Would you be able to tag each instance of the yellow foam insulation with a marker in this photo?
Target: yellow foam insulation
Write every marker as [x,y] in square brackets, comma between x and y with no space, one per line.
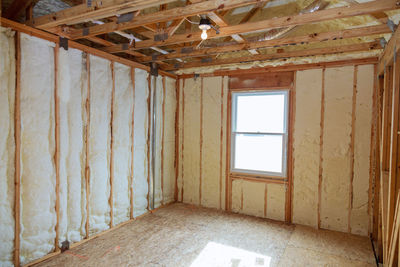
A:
[282,62]
[359,213]
[7,145]
[253,198]
[224,137]
[276,202]
[249,198]
[157,85]
[211,133]
[213,169]
[181,133]
[169,141]
[306,147]
[237,195]
[336,148]
[191,140]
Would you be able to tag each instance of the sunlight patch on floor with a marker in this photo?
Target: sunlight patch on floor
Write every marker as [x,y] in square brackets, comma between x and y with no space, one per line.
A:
[215,254]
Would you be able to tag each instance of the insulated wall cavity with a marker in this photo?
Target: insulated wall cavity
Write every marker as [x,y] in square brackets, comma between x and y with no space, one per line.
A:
[336,148]
[169,141]
[140,185]
[259,199]
[191,141]
[211,185]
[157,84]
[122,142]
[362,136]
[99,143]
[306,147]
[38,215]
[7,146]
[72,109]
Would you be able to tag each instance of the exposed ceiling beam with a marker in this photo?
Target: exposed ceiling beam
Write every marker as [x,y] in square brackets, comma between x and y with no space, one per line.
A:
[291,54]
[304,39]
[391,49]
[219,20]
[136,54]
[249,15]
[16,7]
[167,15]
[96,10]
[287,21]
[380,16]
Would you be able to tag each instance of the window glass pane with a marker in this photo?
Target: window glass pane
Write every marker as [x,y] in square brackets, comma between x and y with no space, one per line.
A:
[260,113]
[258,152]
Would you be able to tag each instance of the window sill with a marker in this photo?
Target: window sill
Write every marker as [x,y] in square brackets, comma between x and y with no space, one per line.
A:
[258,177]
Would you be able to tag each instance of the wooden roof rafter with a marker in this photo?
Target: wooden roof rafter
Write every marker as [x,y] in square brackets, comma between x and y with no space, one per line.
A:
[281,55]
[203,7]
[287,21]
[303,39]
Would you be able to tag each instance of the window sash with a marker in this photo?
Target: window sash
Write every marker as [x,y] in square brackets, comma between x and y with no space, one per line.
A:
[284,135]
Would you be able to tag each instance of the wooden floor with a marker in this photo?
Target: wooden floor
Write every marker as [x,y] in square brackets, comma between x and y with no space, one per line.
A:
[183,235]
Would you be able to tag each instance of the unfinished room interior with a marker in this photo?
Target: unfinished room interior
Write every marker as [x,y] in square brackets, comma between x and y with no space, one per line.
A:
[199,133]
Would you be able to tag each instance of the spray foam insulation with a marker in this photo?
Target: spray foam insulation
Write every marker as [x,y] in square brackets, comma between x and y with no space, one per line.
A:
[249,198]
[336,148]
[158,87]
[169,141]
[180,138]
[7,145]
[306,147]
[99,143]
[140,186]
[38,194]
[191,140]
[363,114]
[72,95]
[211,132]
[122,142]
[72,141]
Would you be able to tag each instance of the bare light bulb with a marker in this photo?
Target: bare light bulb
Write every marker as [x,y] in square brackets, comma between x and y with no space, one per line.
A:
[204,35]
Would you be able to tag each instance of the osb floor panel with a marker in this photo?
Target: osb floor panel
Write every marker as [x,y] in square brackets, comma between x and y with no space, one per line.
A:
[183,235]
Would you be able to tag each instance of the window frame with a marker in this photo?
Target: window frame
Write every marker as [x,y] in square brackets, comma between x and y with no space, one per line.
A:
[285,135]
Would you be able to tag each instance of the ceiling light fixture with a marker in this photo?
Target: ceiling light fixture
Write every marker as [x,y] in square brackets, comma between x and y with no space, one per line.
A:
[204,25]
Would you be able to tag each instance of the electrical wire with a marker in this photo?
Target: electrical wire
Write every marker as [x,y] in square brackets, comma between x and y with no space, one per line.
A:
[193,22]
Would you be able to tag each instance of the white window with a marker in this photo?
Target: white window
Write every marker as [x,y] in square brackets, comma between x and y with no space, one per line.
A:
[259,132]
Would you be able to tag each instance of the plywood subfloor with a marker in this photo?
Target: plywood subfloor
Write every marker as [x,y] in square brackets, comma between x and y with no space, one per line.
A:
[183,235]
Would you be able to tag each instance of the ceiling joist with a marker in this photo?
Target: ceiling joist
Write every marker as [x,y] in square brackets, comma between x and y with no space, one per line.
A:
[291,54]
[161,16]
[97,9]
[301,19]
[304,39]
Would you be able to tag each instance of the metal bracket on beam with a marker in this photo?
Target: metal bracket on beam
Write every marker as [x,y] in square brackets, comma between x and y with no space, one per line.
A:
[206,60]
[125,17]
[85,31]
[391,25]
[154,57]
[64,245]
[154,69]
[196,75]
[63,42]
[161,37]
[186,50]
[382,42]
